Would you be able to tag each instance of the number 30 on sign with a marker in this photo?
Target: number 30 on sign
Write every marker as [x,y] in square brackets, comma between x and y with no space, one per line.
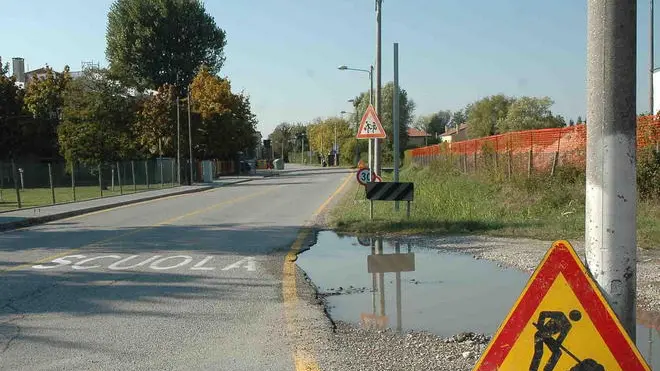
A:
[363,176]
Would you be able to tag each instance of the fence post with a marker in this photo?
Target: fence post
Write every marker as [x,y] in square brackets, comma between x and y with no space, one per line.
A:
[530,164]
[100,181]
[554,163]
[112,176]
[172,173]
[162,182]
[73,181]
[509,164]
[50,181]
[121,189]
[133,175]
[146,172]
[15,176]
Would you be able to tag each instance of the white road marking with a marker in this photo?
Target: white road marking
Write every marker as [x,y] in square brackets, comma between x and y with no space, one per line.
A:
[115,266]
[186,259]
[62,261]
[155,262]
[78,264]
[250,264]
[200,266]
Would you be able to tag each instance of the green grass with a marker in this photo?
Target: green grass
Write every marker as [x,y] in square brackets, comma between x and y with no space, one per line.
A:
[447,202]
[35,197]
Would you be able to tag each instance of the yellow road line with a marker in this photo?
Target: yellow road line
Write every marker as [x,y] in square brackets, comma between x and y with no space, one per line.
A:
[303,360]
[141,229]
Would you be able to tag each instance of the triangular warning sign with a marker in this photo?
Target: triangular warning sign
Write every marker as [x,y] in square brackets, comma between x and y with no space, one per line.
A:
[561,322]
[370,126]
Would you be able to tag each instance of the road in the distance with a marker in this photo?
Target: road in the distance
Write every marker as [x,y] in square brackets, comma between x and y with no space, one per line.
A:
[185,283]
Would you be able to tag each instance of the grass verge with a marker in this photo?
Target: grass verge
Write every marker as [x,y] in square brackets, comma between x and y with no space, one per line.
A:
[447,202]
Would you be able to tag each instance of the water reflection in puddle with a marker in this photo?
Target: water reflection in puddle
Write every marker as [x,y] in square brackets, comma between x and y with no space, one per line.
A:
[383,284]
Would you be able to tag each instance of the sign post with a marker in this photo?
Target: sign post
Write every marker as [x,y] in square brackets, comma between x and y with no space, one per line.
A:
[371,128]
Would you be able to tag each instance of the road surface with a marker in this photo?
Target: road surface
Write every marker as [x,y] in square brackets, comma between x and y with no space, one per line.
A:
[188,282]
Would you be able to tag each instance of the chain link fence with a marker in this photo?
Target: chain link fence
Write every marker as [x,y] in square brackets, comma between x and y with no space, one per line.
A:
[30,183]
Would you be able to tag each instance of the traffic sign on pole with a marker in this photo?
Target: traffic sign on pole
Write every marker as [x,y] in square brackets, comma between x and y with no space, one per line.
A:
[370,126]
[561,322]
[363,176]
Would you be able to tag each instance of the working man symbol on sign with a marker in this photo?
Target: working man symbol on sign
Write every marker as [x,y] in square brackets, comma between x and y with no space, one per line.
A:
[549,325]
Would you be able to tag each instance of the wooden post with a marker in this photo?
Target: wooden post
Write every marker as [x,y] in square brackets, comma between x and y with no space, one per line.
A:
[554,163]
[530,164]
[475,160]
[50,181]
[509,164]
[408,210]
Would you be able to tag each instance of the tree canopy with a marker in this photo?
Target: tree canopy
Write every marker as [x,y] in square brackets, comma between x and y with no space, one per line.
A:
[154,42]
[434,123]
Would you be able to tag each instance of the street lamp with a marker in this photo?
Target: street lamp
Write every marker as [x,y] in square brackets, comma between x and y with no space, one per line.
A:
[370,71]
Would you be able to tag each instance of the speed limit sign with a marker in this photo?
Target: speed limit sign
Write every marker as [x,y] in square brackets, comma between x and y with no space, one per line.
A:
[363,176]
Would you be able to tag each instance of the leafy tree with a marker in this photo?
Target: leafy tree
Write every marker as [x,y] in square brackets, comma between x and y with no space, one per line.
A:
[154,42]
[527,113]
[281,138]
[484,115]
[155,124]
[434,123]
[224,123]
[571,122]
[406,113]
[579,120]
[12,115]
[96,120]
[44,99]
[459,117]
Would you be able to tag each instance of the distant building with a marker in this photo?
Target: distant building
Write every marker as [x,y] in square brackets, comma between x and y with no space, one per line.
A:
[455,134]
[417,138]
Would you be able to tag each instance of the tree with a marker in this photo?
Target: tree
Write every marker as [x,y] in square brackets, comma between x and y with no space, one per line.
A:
[484,115]
[155,124]
[579,120]
[44,99]
[571,122]
[406,113]
[459,117]
[11,115]
[281,138]
[527,113]
[223,121]
[154,42]
[96,123]
[434,123]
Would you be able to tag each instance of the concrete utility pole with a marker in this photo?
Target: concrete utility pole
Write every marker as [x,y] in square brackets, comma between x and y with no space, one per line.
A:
[651,57]
[395,118]
[377,149]
[611,198]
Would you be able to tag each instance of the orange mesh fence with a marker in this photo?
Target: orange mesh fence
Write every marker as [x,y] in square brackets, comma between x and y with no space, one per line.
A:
[532,150]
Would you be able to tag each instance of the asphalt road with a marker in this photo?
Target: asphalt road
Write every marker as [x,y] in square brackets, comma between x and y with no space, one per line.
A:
[192,282]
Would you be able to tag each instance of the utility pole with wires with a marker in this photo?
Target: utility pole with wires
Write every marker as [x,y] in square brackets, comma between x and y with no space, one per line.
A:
[379,105]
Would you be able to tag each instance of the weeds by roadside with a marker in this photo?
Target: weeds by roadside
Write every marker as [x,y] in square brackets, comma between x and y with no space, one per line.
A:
[449,202]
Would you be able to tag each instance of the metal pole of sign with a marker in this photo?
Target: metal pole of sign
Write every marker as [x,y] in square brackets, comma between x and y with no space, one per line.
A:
[371,209]
[50,180]
[190,138]
[397,248]
[395,118]
[408,210]
[611,189]
[381,278]
[373,277]
[379,70]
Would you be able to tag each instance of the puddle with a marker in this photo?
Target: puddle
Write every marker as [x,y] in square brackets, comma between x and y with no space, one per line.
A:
[436,291]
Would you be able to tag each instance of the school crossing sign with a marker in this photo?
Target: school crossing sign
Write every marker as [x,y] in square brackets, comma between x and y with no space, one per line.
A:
[561,322]
[370,126]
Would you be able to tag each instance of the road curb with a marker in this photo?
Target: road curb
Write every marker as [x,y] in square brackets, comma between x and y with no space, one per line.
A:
[49,218]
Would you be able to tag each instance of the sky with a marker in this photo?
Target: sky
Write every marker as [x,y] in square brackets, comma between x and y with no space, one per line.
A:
[285,53]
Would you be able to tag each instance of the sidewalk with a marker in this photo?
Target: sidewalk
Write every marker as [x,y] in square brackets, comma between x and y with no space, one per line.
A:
[31,216]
